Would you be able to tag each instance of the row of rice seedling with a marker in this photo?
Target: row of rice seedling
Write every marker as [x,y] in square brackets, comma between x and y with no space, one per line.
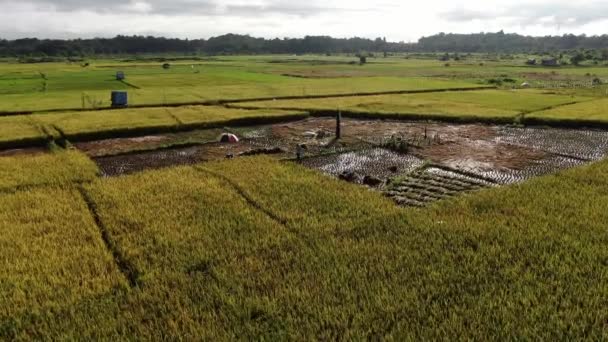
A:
[482,104]
[60,167]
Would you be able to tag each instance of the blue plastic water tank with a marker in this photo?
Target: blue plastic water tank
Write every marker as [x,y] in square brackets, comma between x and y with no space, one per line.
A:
[120,99]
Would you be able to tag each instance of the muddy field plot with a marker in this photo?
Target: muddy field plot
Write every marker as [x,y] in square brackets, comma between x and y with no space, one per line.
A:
[395,157]
[377,162]
[432,184]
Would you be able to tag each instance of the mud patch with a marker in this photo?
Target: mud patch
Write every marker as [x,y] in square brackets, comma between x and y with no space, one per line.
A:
[117,165]
[131,163]
[378,162]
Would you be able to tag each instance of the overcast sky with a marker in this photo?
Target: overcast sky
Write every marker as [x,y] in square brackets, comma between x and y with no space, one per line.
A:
[397,20]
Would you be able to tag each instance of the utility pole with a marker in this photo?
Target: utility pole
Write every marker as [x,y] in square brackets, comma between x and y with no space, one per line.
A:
[338,125]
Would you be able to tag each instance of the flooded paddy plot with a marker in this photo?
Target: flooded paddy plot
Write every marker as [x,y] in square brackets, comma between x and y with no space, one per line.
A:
[127,155]
[392,156]
[377,162]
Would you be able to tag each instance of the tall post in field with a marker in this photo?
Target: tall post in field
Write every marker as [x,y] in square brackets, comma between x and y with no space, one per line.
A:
[338,125]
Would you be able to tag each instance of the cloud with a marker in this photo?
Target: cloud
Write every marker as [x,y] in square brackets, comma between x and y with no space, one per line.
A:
[188,7]
[395,19]
[564,14]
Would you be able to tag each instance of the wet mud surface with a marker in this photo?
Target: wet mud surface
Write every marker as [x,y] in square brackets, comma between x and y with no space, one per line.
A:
[395,154]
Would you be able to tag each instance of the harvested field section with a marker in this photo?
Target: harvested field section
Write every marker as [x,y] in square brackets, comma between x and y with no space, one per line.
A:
[51,254]
[368,148]
[55,168]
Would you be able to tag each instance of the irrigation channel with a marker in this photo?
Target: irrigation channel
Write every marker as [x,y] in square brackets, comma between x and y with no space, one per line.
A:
[414,163]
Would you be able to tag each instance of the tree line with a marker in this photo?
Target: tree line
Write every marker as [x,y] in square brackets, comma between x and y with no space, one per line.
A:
[244,44]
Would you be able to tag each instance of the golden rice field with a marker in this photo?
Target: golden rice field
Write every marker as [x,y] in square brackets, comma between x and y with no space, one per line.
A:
[258,248]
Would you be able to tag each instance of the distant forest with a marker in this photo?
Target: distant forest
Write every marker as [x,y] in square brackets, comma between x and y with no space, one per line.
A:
[243,44]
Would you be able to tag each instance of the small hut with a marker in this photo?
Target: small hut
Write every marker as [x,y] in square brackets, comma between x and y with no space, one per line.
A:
[550,62]
[228,138]
[120,76]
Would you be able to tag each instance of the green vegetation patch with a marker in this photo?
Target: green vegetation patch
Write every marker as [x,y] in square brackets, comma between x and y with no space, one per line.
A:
[201,115]
[51,253]
[137,121]
[483,103]
[593,111]
[82,123]
[57,168]
[18,131]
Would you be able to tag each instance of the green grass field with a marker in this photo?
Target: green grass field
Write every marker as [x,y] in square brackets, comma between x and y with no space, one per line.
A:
[69,86]
[48,86]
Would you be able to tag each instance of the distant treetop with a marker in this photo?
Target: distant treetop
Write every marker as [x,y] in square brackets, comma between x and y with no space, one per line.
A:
[244,44]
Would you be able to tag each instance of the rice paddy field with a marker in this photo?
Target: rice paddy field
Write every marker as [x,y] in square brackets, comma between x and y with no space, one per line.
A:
[447,207]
